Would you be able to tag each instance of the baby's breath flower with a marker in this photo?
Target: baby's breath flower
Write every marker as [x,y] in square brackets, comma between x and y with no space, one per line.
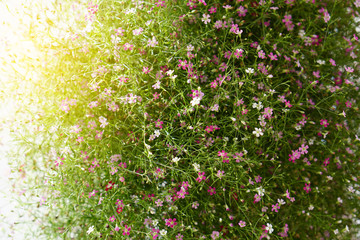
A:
[90,230]
[249,70]
[258,132]
[175,160]
[196,167]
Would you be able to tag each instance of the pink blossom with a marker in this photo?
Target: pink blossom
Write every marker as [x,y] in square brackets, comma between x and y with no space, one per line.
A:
[170,222]
[307,188]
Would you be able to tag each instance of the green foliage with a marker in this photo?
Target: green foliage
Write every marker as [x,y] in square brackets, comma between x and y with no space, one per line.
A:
[263,140]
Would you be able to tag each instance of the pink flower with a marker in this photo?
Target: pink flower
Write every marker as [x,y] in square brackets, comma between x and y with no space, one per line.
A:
[92,194]
[273,57]
[112,218]
[170,222]
[307,187]
[242,11]
[258,179]
[160,3]
[179,237]
[287,19]
[332,61]
[324,122]
[156,95]
[146,70]
[59,162]
[159,123]
[303,149]
[212,10]
[242,223]
[238,53]
[287,103]
[275,207]
[181,193]
[214,84]
[126,230]
[326,162]
[128,46]
[203,2]
[296,154]
[349,69]
[223,154]
[261,54]
[211,191]
[201,177]
[154,233]
[152,42]
[257,198]
[317,74]
[138,31]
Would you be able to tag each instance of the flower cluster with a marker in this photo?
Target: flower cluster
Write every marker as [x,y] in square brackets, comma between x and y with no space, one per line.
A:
[206,119]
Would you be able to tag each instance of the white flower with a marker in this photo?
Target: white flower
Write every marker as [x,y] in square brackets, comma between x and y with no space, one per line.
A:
[152,211]
[90,230]
[258,132]
[311,207]
[196,167]
[131,10]
[155,222]
[281,201]
[321,62]
[103,121]
[351,189]
[170,72]
[206,18]
[249,70]
[163,232]
[190,47]
[157,133]
[175,159]
[258,106]
[260,191]
[298,127]
[336,231]
[269,228]
[301,33]
[173,77]
[156,85]
[195,101]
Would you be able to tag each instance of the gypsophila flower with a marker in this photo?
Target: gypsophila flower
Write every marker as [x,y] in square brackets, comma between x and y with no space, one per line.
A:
[258,132]
[269,228]
[90,230]
[175,160]
[258,105]
[206,18]
[196,167]
[249,70]
[260,191]
[152,42]
[163,232]
[242,223]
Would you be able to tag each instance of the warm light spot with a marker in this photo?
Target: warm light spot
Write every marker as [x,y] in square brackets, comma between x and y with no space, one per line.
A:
[18,56]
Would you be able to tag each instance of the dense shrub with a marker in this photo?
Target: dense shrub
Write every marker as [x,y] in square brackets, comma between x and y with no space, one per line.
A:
[200,120]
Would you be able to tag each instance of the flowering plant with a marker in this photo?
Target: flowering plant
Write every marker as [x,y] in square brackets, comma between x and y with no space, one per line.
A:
[207,120]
